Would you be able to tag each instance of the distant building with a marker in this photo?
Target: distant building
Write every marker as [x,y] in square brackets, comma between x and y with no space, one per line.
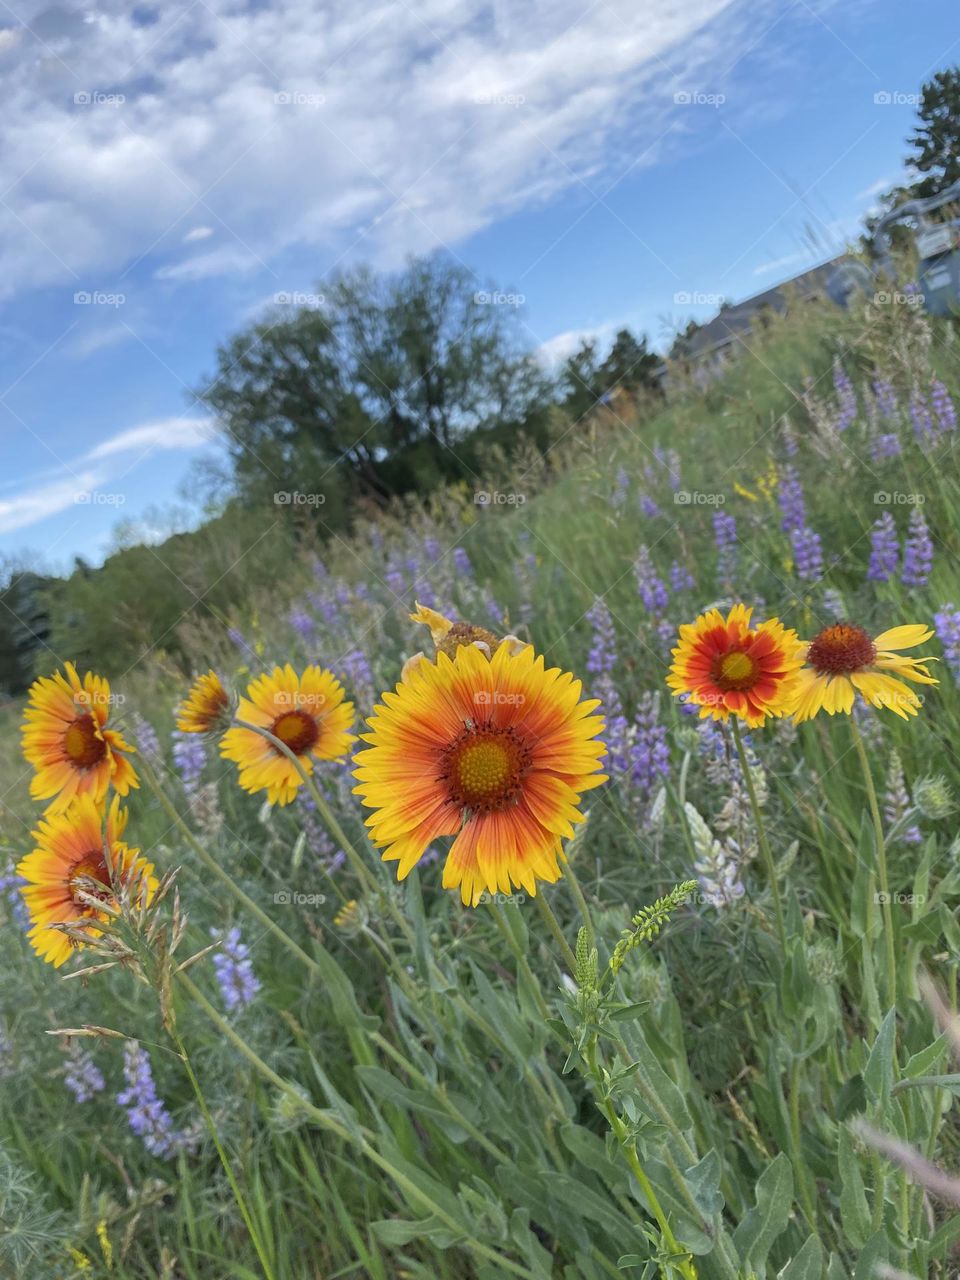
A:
[710,348]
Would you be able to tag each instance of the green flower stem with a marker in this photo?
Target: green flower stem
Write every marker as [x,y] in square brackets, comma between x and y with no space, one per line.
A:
[571,877]
[227,1168]
[523,965]
[569,959]
[761,836]
[880,848]
[683,1264]
[363,872]
[360,1137]
[223,876]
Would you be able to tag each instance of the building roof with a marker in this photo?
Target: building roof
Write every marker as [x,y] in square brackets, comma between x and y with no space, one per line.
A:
[739,317]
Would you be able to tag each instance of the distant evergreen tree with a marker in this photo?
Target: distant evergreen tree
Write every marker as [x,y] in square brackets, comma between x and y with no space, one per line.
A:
[936,141]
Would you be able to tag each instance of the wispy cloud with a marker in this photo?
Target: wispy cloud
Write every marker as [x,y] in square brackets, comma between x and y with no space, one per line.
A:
[36,504]
[167,433]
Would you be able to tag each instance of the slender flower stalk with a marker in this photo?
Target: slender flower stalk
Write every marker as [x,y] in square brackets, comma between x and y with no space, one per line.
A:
[880,852]
[762,840]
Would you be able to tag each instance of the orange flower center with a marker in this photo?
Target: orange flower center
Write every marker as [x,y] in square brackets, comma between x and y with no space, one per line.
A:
[82,742]
[296,730]
[840,649]
[90,867]
[484,768]
[734,670]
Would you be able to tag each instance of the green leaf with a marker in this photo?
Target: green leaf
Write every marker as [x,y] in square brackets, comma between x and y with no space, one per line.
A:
[854,1210]
[807,1264]
[703,1179]
[762,1224]
[878,1074]
[921,1063]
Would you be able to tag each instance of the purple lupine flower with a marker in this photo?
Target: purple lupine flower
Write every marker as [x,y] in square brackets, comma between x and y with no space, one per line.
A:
[236,638]
[149,1118]
[884,446]
[602,658]
[923,427]
[833,605]
[395,580]
[621,488]
[145,736]
[807,554]
[359,677]
[234,970]
[669,459]
[301,621]
[189,758]
[943,407]
[11,886]
[846,398]
[616,734]
[433,550]
[793,508]
[652,588]
[897,802]
[681,579]
[725,540]
[81,1074]
[650,755]
[461,562]
[648,507]
[885,396]
[947,624]
[884,549]
[917,552]
[790,446]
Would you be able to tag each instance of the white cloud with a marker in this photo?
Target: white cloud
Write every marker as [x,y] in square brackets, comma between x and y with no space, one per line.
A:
[782,264]
[397,127]
[556,349]
[167,433]
[36,504]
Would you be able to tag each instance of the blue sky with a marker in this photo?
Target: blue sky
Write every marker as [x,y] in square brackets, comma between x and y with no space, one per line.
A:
[169,170]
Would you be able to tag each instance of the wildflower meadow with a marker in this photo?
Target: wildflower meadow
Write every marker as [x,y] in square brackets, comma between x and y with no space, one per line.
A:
[561,886]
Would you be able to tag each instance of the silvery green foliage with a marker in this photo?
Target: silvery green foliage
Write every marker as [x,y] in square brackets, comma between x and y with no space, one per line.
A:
[32,1237]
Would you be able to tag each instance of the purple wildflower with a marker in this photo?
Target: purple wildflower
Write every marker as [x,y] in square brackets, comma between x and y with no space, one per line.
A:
[923,427]
[947,623]
[884,549]
[943,407]
[648,507]
[846,398]
[725,540]
[886,397]
[884,446]
[234,970]
[650,753]
[461,562]
[807,554]
[145,736]
[149,1118]
[617,732]
[81,1074]
[301,621]
[11,886]
[359,677]
[917,552]
[189,758]
[653,591]
[602,658]
[620,489]
[792,505]
[681,579]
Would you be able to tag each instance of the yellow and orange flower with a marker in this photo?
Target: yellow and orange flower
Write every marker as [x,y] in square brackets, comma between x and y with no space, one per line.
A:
[843,660]
[70,860]
[66,740]
[494,750]
[448,636]
[726,667]
[307,713]
[206,707]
